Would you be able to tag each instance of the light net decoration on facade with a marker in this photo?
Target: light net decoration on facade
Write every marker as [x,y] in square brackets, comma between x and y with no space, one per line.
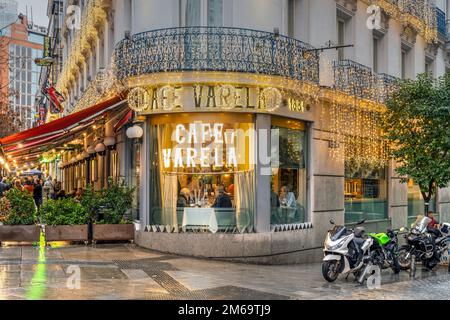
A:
[357,115]
[93,17]
[421,15]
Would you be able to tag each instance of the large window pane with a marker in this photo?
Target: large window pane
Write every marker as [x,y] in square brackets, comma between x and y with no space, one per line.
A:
[416,204]
[365,192]
[288,190]
[192,12]
[215,13]
[203,163]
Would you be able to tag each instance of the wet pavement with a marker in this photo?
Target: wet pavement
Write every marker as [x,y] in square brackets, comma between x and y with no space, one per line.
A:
[126,271]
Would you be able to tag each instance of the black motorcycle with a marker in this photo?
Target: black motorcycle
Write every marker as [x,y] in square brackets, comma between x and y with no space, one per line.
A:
[423,245]
[384,250]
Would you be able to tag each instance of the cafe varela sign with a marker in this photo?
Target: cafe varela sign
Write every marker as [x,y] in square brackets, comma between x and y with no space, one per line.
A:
[202,145]
[168,98]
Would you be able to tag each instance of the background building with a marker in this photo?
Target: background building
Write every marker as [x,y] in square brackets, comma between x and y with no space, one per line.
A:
[168,55]
[22,42]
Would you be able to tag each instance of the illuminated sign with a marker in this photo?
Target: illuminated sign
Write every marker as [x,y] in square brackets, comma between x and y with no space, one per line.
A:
[204,98]
[201,145]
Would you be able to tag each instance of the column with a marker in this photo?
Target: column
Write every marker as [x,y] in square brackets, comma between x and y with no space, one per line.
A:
[262,173]
[326,177]
[397,198]
[144,204]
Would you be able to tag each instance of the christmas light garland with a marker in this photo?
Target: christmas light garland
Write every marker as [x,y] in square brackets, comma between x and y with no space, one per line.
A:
[421,15]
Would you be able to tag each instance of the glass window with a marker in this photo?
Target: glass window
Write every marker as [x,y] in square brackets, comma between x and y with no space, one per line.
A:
[192,12]
[215,13]
[341,38]
[288,183]
[416,204]
[35,38]
[204,162]
[365,192]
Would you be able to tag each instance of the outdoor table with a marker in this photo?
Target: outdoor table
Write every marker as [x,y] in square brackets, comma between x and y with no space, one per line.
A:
[196,217]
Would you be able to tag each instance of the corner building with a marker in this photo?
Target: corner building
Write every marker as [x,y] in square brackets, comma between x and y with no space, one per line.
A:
[211,72]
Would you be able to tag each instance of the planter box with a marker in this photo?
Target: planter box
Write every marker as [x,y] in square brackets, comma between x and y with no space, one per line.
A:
[66,233]
[113,232]
[19,233]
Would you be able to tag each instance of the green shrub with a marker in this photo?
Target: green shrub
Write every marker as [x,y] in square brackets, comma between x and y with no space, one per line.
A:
[109,206]
[63,212]
[22,208]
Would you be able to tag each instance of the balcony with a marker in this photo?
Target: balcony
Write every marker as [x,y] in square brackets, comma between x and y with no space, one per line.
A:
[421,15]
[360,81]
[441,23]
[216,49]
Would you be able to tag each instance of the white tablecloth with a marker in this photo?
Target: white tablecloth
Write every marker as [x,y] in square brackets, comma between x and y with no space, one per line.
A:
[200,217]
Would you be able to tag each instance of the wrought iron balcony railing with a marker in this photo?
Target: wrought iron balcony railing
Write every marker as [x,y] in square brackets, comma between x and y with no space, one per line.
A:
[216,49]
[441,22]
[360,81]
[418,14]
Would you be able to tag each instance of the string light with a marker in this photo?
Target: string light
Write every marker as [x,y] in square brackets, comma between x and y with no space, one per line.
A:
[419,14]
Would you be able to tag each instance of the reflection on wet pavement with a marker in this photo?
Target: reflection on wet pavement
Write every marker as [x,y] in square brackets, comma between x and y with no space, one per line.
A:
[126,271]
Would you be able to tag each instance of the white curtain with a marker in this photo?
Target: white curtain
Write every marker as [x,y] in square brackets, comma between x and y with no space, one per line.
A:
[215,13]
[244,193]
[192,10]
[169,195]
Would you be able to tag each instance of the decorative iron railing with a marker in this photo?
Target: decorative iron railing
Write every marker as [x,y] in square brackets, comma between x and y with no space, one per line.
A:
[360,81]
[441,22]
[216,49]
[418,14]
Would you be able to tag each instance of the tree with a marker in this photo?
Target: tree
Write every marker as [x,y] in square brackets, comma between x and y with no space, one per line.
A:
[416,126]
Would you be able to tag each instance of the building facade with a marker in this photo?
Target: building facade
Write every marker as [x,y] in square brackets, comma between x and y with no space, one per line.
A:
[22,42]
[218,87]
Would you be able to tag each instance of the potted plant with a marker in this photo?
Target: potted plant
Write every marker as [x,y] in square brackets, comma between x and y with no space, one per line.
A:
[111,206]
[65,220]
[18,217]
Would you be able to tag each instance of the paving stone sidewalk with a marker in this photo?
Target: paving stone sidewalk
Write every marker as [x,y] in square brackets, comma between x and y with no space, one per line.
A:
[126,271]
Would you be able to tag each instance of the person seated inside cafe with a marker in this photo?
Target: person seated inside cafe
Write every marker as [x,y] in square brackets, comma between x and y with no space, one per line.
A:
[183,198]
[223,200]
[287,198]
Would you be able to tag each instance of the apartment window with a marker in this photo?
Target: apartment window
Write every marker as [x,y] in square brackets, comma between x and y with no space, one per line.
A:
[201,13]
[291,17]
[192,12]
[375,54]
[215,13]
[404,57]
[341,38]
[429,66]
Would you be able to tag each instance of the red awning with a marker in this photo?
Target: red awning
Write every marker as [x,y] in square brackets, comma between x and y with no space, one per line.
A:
[60,125]
[123,121]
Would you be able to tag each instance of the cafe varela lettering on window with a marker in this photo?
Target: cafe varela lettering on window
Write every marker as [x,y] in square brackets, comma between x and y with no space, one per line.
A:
[168,98]
[203,145]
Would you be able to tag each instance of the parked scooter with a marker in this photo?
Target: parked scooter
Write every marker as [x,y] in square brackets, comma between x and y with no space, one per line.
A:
[384,250]
[423,245]
[346,251]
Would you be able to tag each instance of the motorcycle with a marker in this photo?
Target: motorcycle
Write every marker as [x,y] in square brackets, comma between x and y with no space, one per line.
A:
[346,251]
[424,245]
[384,250]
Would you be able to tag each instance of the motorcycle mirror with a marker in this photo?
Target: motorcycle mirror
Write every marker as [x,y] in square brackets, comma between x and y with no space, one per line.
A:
[331,221]
[361,221]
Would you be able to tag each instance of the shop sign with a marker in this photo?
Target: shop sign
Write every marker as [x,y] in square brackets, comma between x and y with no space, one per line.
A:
[210,98]
[201,144]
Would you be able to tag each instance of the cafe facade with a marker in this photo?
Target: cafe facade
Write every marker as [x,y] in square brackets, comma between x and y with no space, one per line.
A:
[285,133]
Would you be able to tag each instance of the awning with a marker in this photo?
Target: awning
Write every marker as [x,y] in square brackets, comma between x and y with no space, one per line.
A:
[61,125]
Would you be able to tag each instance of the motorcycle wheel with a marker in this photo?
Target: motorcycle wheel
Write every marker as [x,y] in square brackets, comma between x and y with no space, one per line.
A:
[329,270]
[403,263]
[395,265]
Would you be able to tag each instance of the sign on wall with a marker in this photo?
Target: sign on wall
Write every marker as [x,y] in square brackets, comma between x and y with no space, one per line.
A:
[168,98]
